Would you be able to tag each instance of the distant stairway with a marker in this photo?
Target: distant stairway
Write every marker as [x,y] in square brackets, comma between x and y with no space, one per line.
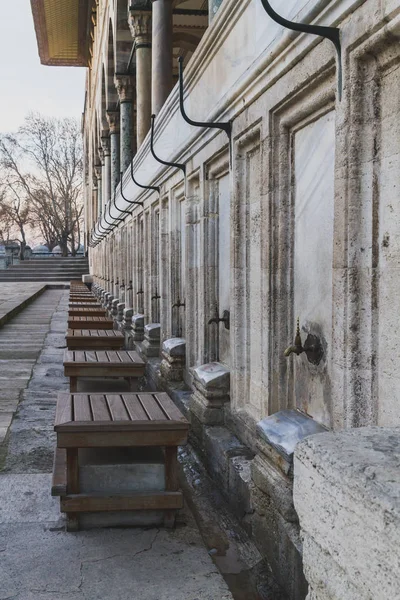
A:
[46,269]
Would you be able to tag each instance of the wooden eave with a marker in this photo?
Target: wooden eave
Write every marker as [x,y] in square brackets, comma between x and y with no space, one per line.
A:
[63,31]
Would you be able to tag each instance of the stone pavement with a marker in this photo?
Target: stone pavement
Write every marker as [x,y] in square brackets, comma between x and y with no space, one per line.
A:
[21,341]
[39,560]
[13,296]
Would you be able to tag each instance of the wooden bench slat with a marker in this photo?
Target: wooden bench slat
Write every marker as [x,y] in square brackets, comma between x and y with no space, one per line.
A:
[151,407]
[102,356]
[169,407]
[134,408]
[79,357]
[134,356]
[91,356]
[69,356]
[82,410]
[113,357]
[117,407]
[124,357]
[64,409]
[99,408]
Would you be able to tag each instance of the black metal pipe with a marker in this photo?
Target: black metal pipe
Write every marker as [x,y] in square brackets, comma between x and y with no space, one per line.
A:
[144,187]
[331,33]
[225,126]
[163,162]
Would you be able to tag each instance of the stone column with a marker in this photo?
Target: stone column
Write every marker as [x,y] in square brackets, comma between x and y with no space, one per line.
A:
[93,211]
[124,85]
[98,172]
[105,144]
[161,53]
[140,25]
[113,121]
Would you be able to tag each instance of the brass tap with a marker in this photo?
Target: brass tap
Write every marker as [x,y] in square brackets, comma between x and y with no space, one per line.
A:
[297,347]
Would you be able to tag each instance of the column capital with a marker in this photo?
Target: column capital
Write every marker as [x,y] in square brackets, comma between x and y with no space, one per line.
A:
[105,142]
[97,171]
[140,26]
[124,86]
[113,120]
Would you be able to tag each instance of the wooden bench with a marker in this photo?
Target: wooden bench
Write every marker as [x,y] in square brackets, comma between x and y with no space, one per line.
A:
[94,339]
[93,311]
[90,323]
[115,421]
[82,298]
[102,363]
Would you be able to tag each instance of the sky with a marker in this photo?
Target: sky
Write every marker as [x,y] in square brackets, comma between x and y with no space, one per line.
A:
[25,84]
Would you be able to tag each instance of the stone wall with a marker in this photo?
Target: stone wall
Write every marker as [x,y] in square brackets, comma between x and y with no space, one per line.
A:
[346,494]
[296,217]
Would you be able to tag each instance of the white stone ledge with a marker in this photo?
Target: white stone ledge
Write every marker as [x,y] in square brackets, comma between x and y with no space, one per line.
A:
[242,54]
[347,496]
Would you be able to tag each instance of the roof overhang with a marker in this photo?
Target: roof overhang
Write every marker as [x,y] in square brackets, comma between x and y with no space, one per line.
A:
[63,31]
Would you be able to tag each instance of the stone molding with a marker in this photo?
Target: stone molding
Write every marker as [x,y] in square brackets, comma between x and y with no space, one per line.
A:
[140,26]
[113,121]
[124,85]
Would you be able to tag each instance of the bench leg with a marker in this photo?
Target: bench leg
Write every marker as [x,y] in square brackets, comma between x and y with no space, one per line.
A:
[133,384]
[73,384]
[171,481]
[72,485]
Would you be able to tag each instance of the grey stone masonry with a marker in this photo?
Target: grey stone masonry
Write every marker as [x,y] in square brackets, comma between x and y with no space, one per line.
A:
[138,327]
[347,496]
[212,384]
[173,355]
[151,343]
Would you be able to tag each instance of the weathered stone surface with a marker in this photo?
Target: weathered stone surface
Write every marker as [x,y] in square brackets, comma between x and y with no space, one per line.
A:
[151,343]
[175,347]
[213,376]
[347,496]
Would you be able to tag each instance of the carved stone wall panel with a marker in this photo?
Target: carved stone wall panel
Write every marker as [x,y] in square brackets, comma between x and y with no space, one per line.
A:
[249,320]
[293,113]
[367,373]
[216,197]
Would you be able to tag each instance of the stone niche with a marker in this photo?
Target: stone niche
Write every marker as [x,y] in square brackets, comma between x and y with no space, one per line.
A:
[274,521]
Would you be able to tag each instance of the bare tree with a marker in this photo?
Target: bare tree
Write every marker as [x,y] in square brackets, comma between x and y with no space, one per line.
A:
[14,214]
[45,160]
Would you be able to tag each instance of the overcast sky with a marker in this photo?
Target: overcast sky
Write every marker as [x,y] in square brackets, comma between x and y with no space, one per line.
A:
[25,84]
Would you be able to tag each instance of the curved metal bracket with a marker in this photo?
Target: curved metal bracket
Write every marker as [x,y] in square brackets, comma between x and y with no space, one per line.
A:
[331,33]
[121,211]
[124,197]
[113,225]
[144,187]
[225,126]
[163,162]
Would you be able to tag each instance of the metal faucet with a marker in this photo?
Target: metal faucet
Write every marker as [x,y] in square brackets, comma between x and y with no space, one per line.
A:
[297,347]
[226,319]
[313,347]
[178,304]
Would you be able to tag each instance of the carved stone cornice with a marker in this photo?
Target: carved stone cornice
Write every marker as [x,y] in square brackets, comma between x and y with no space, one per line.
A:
[124,87]
[113,120]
